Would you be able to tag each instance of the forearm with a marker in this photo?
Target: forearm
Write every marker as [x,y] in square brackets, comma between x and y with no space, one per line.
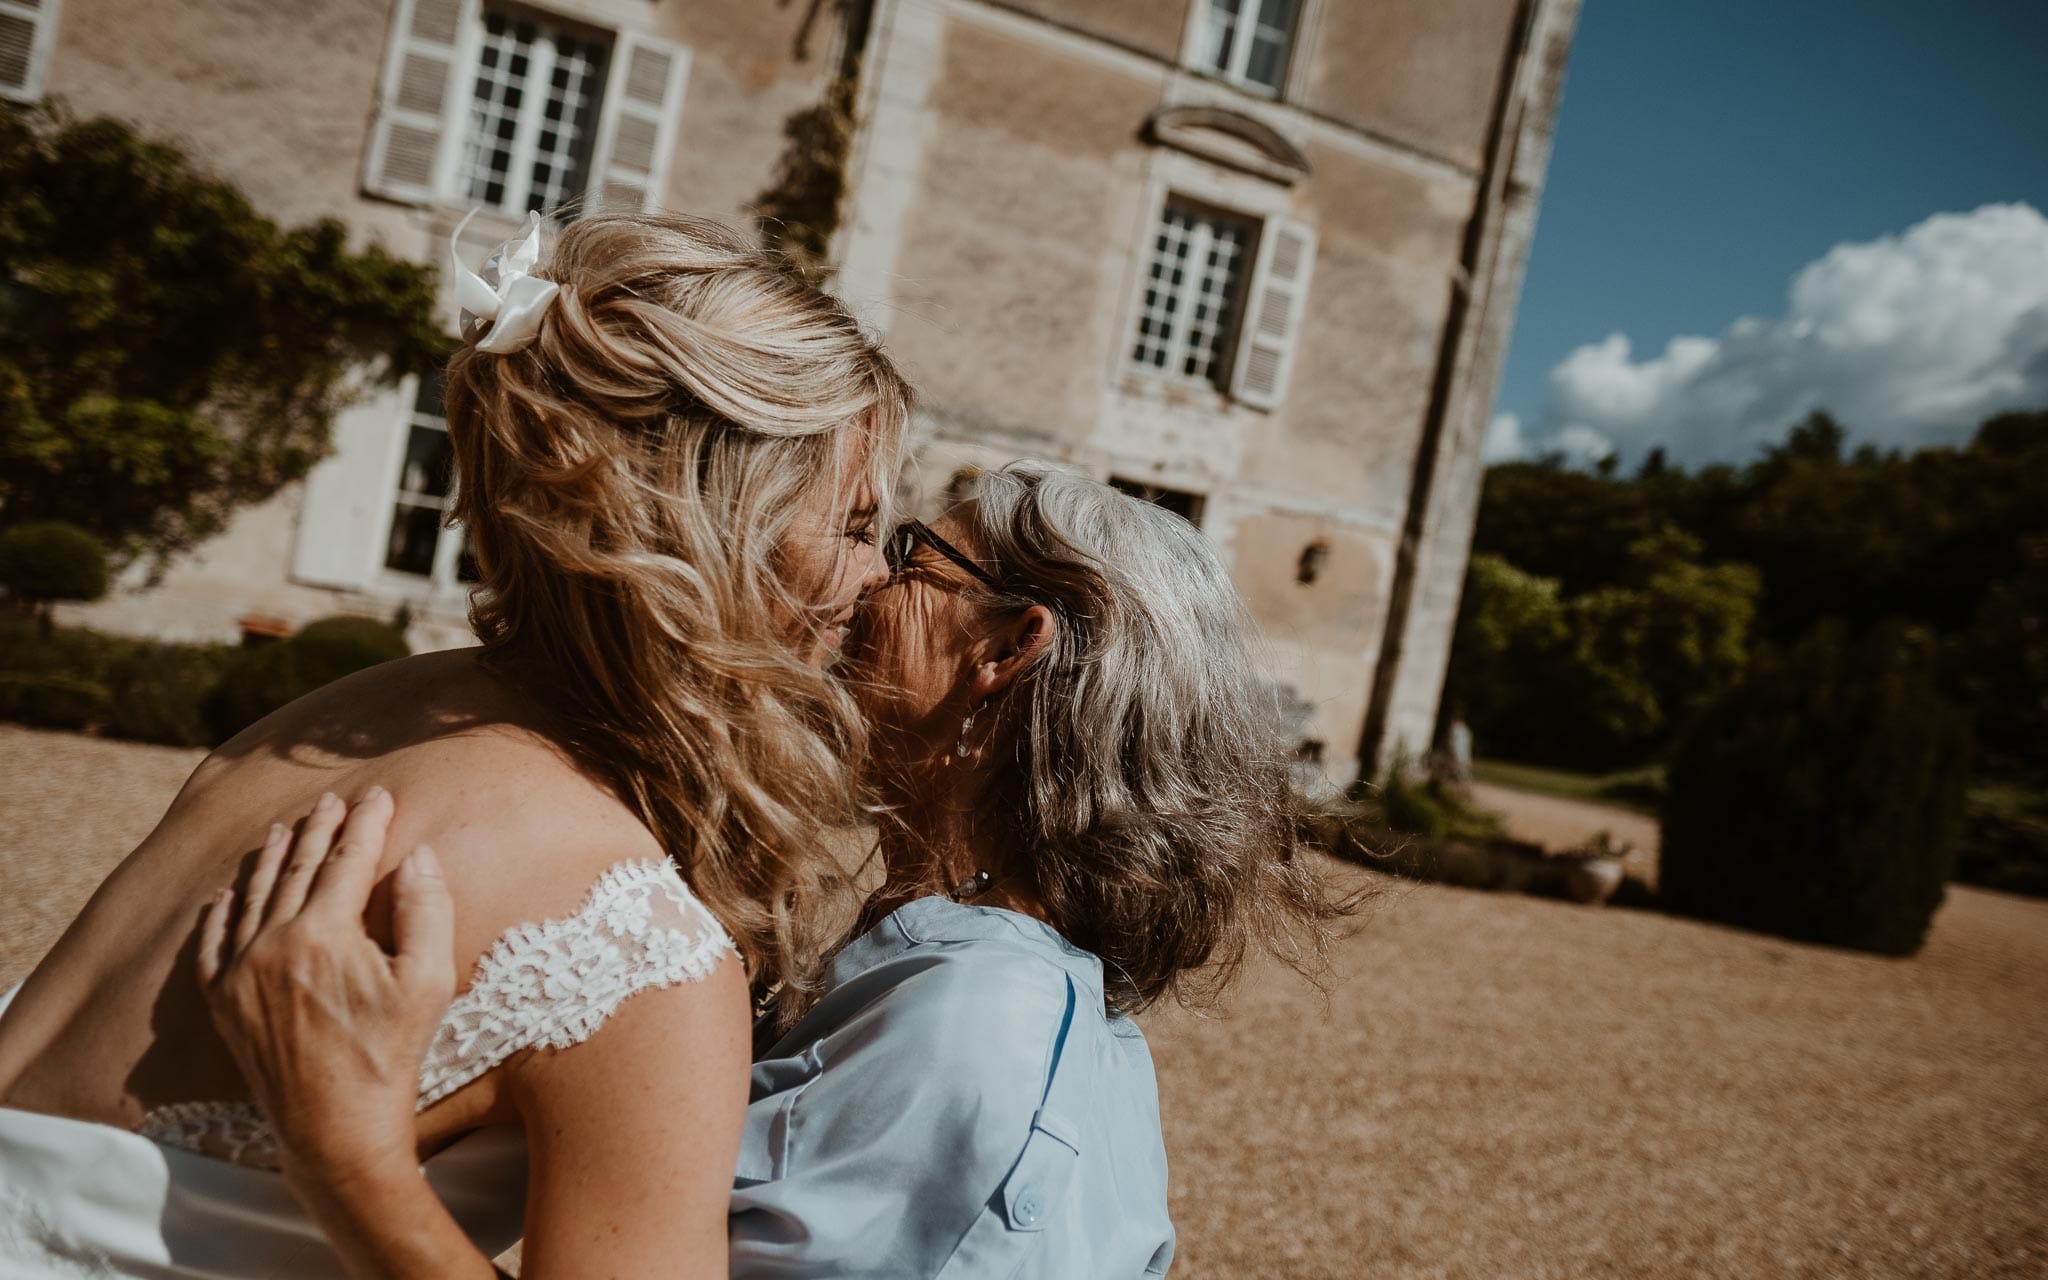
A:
[386,1223]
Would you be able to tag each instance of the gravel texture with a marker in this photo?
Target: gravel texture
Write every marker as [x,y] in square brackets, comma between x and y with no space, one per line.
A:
[1495,1086]
[70,809]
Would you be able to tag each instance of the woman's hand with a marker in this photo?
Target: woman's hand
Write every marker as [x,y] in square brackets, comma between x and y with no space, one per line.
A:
[328,1028]
[633,1134]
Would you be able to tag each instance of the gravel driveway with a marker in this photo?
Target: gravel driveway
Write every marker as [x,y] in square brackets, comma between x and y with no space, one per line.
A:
[70,809]
[1496,1086]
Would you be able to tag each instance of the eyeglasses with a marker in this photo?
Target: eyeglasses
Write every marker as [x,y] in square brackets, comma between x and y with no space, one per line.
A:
[911,533]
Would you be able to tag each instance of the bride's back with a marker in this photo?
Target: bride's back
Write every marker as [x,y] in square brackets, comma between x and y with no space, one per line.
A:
[658,457]
[112,1023]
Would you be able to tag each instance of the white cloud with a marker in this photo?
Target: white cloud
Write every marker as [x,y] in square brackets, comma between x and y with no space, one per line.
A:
[1504,442]
[1581,443]
[1908,340]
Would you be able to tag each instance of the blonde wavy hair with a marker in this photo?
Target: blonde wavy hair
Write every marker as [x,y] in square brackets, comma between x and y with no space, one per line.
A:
[626,481]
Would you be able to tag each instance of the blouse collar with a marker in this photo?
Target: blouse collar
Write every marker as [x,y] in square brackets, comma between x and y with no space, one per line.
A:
[937,920]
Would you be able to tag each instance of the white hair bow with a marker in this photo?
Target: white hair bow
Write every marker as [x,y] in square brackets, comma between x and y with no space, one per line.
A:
[511,300]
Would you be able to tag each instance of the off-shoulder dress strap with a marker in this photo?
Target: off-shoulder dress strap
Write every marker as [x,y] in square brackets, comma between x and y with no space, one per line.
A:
[546,985]
[553,984]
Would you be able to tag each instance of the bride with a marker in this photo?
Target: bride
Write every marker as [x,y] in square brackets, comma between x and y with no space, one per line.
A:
[671,457]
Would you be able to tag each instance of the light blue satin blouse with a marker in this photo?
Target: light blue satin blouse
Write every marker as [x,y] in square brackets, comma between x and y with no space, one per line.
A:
[958,1104]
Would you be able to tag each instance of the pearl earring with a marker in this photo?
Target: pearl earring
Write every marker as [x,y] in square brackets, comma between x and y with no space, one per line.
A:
[966,727]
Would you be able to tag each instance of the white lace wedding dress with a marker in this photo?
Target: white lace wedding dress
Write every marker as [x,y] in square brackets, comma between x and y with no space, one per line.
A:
[194,1193]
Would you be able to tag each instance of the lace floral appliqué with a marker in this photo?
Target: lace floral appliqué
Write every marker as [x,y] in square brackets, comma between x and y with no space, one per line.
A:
[552,985]
[547,985]
[233,1131]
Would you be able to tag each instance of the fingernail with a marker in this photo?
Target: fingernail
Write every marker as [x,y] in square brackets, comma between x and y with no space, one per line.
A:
[278,831]
[374,792]
[327,801]
[422,862]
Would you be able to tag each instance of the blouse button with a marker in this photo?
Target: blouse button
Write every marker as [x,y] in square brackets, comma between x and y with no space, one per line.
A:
[1028,1209]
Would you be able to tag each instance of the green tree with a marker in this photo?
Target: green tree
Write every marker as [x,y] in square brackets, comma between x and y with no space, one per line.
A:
[167,354]
[1599,678]
[1651,649]
[1510,630]
[1554,522]
[1936,536]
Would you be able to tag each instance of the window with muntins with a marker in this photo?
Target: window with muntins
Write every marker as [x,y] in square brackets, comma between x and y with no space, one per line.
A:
[483,102]
[1193,285]
[421,543]
[532,114]
[1249,40]
[1188,506]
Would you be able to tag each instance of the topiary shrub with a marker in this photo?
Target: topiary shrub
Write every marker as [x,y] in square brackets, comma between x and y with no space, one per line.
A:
[158,688]
[29,649]
[51,560]
[255,683]
[54,701]
[343,645]
[259,681]
[160,692]
[1821,798]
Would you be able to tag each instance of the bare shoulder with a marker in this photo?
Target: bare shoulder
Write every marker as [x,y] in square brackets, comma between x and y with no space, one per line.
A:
[524,834]
[522,827]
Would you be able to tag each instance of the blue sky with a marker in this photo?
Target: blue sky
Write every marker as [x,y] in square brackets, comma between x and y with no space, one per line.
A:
[1708,152]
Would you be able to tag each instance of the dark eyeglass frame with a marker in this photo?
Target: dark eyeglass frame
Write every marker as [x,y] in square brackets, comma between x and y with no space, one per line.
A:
[906,538]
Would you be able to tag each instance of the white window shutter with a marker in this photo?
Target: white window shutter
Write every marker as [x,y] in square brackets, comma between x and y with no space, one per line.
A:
[636,135]
[418,99]
[27,29]
[345,512]
[1272,312]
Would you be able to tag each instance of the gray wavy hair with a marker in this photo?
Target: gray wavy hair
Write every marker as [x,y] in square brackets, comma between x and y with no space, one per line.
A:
[1149,793]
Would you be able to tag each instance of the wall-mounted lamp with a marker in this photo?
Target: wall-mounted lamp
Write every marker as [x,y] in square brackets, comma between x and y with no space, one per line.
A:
[1313,557]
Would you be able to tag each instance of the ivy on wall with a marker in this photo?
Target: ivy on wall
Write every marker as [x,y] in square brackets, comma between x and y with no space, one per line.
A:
[799,212]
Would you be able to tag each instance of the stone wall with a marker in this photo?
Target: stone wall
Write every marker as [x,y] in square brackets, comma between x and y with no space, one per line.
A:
[1007,176]
[1007,187]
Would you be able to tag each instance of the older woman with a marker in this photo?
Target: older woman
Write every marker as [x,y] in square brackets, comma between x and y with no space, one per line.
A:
[1086,811]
